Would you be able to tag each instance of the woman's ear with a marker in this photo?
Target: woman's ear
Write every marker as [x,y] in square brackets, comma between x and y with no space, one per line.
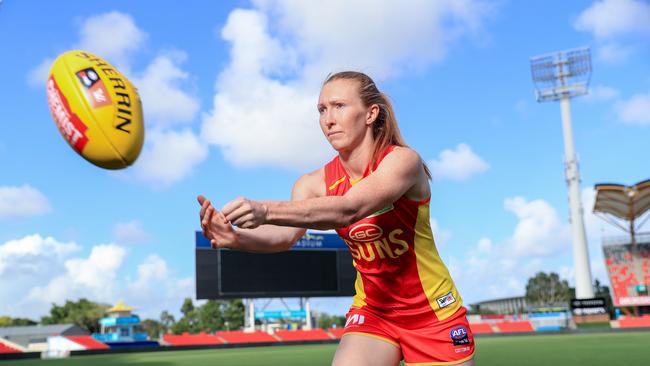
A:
[371,115]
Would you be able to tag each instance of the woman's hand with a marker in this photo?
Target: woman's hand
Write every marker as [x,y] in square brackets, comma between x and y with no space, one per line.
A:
[245,213]
[215,226]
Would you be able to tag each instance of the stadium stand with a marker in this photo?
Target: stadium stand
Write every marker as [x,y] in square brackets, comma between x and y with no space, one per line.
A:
[481,328]
[515,326]
[634,322]
[236,336]
[7,349]
[336,332]
[303,335]
[88,342]
[620,262]
[186,339]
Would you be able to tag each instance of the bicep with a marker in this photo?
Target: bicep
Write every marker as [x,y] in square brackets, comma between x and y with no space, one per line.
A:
[397,173]
[308,186]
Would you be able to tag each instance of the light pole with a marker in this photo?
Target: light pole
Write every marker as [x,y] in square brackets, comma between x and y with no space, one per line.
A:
[561,76]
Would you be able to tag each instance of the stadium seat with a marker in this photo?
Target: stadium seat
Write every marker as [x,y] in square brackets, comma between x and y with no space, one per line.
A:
[515,326]
[6,349]
[481,328]
[88,342]
[634,322]
[191,339]
[303,335]
[237,336]
[336,332]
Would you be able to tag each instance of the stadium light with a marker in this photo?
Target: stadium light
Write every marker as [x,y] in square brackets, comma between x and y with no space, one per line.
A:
[561,76]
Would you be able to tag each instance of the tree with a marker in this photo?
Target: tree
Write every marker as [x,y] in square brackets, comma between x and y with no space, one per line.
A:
[167,321]
[546,289]
[6,321]
[153,328]
[188,323]
[210,316]
[328,321]
[83,313]
[233,314]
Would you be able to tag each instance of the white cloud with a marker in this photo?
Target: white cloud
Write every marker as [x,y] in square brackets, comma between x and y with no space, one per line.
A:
[613,52]
[264,108]
[440,235]
[169,156]
[539,231]
[615,24]
[23,201]
[29,254]
[113,36]
[130,232]
[155,289]
[635,110]
[92,277]
[458,165]
[37,271]
[163,100]
[610,18]
[484,245]
[601,93]
[38,76]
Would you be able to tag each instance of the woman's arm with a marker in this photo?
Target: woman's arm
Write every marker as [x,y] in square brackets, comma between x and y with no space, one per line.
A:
[398,172]
[264,238]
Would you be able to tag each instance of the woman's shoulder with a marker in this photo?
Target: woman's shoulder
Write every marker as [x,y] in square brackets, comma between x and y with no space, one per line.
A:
[404,154]
[312,184]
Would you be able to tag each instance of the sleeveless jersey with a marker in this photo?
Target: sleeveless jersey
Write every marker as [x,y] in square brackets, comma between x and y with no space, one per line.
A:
[399,272]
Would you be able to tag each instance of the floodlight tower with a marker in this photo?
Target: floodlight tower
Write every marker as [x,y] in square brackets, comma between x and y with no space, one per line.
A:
[561,76]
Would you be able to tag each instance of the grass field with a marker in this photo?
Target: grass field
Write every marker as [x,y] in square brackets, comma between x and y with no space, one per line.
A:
[606,349]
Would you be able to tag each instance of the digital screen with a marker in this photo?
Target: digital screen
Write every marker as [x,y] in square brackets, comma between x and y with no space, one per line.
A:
[226,273]
[299,271]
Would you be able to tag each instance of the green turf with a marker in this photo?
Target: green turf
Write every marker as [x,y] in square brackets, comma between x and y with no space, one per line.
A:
[596,349]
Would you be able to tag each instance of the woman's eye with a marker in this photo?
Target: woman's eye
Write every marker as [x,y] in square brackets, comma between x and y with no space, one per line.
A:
[339,105]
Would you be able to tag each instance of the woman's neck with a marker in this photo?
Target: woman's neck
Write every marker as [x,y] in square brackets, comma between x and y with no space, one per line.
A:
[356,161]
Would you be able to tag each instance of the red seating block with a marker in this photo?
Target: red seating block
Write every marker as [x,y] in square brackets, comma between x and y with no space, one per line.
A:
[481,328]
[515,326]
[236,336]
[191,339]
[337,332]
[88,342]
[303,335]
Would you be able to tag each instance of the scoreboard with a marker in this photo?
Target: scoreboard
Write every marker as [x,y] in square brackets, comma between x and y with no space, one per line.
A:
[318,265]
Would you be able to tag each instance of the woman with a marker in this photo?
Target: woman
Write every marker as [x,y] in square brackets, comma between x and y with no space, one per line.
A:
[376,194]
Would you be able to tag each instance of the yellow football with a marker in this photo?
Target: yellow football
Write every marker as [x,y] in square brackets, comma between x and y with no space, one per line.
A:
[96,108]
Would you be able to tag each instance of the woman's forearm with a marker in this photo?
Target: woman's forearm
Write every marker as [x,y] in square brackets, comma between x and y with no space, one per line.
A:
[267,238]
[315,213]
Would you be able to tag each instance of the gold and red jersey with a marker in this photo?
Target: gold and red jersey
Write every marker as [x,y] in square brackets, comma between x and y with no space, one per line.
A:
[399,272]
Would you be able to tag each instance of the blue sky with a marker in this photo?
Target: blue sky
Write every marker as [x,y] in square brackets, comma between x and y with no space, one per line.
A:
[229,93]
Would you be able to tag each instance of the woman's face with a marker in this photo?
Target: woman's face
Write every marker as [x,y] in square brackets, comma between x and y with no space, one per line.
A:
[343,117]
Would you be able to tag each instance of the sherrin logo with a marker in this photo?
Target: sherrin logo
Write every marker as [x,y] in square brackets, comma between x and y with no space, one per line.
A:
[365,232]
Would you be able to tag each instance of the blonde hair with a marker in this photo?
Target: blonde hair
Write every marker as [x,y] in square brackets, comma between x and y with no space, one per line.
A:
[384,129]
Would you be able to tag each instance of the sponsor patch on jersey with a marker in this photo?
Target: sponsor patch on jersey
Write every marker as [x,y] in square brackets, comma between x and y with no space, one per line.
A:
[459,335]
[446,300]
[355,320]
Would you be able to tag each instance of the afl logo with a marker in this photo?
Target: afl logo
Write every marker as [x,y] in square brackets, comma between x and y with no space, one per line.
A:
[458,333]
[365,232]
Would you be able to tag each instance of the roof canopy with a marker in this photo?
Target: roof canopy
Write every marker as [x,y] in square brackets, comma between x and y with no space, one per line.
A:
[625,202]
[120,307]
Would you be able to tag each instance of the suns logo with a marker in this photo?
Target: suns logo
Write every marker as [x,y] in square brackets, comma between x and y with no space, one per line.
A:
[365,232]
